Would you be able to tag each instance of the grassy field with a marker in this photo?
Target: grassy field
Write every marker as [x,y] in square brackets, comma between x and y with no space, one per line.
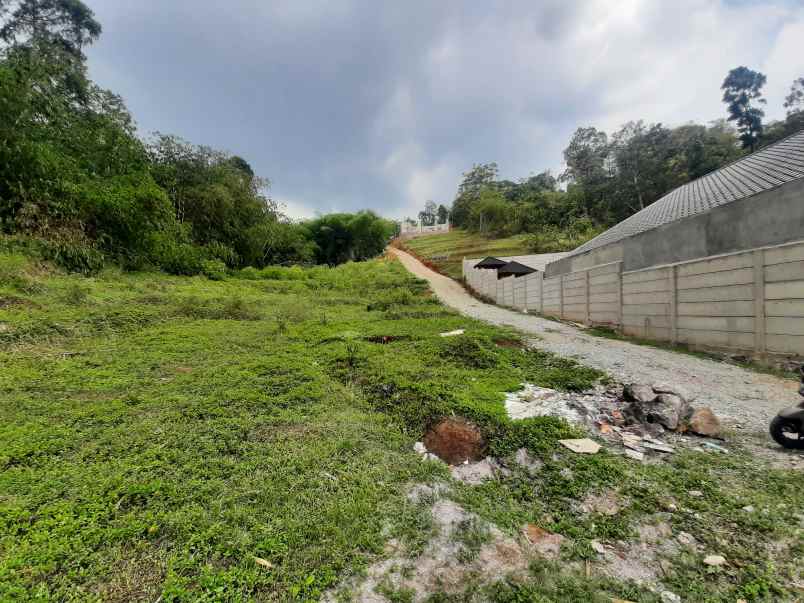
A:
[459,244]
[250,439]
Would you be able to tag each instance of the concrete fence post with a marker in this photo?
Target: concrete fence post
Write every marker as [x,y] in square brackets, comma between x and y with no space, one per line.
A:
[759,303]
[620,296]
[587,296]
[673,309]
[561,297]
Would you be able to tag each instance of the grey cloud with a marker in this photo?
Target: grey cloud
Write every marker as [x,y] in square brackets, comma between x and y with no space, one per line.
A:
[354,104]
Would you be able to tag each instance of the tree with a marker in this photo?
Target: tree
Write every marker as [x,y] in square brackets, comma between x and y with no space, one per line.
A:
[742,92]
[68,24]
[794,102]
[585,157]
[474,180]
[428,215]
[443,214]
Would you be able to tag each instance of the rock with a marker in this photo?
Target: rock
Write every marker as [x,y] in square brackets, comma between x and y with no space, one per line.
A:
[524,459]
[714,560]
[581,446]
[748,509]
[686,538]
[669,597]
[634,454]
[455,440]
[419,448]
[606,503]
[704,422]
[666,388]
[639,392]
[668,410]
[475,473]
[546,543]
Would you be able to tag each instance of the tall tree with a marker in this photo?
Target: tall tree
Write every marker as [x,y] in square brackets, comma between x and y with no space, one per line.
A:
[473,182]
[69,24]
[794,101]
[443,214]
[585,156]
[742,92]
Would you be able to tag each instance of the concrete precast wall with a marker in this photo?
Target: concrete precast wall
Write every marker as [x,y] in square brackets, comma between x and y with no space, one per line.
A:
[750,301]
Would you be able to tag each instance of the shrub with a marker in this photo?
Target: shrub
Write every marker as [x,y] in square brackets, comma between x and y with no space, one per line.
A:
[74,252]
[214,270]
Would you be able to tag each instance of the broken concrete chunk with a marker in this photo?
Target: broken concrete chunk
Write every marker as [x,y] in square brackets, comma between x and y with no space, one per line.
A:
[453,333]
[634,454]
[639,392]
[704,422]
[714,560]
[652,444]
[581,446]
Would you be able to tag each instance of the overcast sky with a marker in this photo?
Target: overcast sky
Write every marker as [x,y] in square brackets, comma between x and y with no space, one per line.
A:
[351,104]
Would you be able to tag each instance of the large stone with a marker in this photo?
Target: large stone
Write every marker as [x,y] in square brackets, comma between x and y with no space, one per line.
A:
[704,422]
[639,392]
[668,410]
[455,441]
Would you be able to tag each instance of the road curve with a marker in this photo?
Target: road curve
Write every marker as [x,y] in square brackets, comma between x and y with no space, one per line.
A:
[739,396]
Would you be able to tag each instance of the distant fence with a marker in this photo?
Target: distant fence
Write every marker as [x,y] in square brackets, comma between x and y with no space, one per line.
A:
[751,301]
[409,231]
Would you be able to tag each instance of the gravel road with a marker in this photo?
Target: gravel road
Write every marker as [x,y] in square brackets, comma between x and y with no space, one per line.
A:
[742,398]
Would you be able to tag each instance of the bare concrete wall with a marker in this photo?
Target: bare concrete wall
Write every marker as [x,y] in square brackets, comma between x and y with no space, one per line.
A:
[751,301]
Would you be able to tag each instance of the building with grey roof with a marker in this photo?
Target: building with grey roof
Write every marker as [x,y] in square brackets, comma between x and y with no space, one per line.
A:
[755,201]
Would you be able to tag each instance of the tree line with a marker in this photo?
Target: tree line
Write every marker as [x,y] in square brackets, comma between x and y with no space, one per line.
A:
[76,178]
[608,177]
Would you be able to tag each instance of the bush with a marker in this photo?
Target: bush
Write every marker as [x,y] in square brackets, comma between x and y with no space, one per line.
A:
[75,253]
[551,239]
[214,270]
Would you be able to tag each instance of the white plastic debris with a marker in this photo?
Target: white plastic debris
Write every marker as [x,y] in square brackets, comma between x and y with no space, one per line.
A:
[453,333]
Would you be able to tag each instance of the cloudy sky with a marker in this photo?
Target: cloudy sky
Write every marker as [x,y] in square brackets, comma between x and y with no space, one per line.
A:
[351,104]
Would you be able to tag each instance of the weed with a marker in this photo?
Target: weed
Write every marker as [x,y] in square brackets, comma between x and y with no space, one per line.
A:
[76,295]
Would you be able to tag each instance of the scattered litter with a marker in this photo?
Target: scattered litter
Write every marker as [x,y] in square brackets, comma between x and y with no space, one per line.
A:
[634,454]
[715,447]
[453,333]
[263,562]
[581,446]
[419,448]
[748,509]
[714,560]
[695,493]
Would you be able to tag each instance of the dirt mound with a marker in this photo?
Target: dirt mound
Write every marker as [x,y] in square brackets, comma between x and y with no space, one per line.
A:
[455,441]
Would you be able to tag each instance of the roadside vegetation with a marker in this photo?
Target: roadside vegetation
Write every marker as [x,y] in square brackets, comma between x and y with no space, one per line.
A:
[444,252]
[251,438]
[77,180]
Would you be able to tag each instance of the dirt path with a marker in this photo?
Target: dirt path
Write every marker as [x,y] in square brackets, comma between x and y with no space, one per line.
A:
[743,399]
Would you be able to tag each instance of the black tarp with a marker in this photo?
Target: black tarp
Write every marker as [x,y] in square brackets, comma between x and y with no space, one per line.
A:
[514,269]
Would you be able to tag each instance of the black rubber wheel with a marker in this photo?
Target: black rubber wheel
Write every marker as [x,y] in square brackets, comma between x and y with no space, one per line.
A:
[787,433]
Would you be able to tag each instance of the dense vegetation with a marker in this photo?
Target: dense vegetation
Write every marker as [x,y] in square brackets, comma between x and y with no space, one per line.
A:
[610,177]
[250,439]
[75,177]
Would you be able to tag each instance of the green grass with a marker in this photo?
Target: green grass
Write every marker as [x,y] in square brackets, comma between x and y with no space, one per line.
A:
[459,244]
[160,434]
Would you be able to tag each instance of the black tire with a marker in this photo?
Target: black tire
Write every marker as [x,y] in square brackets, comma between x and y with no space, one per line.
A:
[781,430]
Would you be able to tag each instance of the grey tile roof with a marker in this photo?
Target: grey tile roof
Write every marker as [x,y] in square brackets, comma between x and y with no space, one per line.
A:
[768,168]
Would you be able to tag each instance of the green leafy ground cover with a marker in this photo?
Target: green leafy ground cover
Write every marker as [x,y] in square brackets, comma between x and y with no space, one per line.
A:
[160,435]
[458,244]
